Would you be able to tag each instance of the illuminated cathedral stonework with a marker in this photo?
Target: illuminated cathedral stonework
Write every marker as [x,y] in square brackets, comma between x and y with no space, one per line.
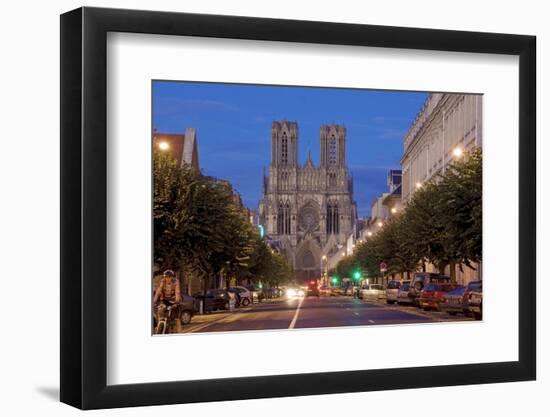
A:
[309,209]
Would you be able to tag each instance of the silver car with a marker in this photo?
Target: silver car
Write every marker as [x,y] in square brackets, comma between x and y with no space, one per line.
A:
[393,289]
[372,292]
[403,296]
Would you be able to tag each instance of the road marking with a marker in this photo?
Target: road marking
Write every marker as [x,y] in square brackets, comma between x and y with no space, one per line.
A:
[356,313]
[371,321]
[295,318]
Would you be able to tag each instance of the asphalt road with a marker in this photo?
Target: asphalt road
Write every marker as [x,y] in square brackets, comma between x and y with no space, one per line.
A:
[312,312]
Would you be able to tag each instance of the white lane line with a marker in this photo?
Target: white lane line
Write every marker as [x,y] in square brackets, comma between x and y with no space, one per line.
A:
[371,321]
[295,318]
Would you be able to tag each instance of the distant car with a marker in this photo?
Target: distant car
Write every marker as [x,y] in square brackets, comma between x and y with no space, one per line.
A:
[473,299]
[392,290]
[216,299]
[324,290]
[244,296]
[403,295]
[292,292]
[372,292]
[432,294]
[421,280]
[269,293]
[453,301]
[313,288]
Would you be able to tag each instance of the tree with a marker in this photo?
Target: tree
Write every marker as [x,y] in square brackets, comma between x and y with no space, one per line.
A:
[199,228]
[442,224]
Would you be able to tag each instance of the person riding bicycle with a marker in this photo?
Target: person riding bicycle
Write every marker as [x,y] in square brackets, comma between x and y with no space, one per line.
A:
[168,294]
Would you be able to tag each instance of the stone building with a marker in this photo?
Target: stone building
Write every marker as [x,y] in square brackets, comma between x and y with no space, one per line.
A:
[309,209]
[446,128]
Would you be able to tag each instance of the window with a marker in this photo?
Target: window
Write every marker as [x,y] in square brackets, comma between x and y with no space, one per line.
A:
[287,219]
[280,219]
[332,151]
[284,150]
[333,221]
[283,219]
[332,179]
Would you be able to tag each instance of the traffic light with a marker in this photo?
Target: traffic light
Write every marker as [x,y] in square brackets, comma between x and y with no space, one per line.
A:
[357,275]
[335,280]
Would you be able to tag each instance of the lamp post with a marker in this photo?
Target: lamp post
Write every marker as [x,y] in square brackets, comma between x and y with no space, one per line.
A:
[325,271]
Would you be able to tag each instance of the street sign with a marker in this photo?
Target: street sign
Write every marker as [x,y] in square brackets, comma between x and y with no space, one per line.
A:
[383,267]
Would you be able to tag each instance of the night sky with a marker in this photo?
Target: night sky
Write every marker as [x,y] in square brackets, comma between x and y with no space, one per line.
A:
[233,125]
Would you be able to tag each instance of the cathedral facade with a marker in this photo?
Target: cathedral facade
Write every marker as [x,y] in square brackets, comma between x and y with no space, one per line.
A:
[309,209]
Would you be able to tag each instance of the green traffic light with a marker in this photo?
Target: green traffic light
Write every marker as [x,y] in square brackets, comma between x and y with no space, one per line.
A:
[357,275]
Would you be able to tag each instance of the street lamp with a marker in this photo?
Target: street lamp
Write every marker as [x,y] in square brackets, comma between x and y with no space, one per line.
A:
[164,146]
[325,272]
[394,210]
[380,224]
[458,152]
[418,184]
[369,233]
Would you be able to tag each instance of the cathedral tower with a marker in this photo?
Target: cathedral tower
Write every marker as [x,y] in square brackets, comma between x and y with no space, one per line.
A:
[333,146]
[309,208]
[284,144]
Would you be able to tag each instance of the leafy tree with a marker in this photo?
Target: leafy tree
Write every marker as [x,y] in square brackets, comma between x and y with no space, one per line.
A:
[442,224]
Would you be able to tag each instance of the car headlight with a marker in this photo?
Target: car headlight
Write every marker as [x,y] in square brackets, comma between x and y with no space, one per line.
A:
[291,292]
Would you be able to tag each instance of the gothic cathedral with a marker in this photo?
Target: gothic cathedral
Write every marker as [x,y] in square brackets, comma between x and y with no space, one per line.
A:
[309,209]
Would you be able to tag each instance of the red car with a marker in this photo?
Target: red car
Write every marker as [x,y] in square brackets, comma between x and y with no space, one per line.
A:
[432,294]
[313,288]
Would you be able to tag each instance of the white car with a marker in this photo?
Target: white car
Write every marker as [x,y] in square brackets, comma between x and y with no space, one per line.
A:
[245,296]
[295,292]
[392,290]
[372,292]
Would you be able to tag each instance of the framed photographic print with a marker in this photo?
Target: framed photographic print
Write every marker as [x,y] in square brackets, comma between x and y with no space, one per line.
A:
[286,208]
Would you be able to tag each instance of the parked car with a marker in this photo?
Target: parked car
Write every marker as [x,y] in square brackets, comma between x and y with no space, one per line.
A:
[236,295]
[257,293]
[421,280]
[392,290]
[313,288]
[325,290]
[453,301]
[216,299]
[430,297]
[244,296]
[473,299]
[372,292]
[403,295]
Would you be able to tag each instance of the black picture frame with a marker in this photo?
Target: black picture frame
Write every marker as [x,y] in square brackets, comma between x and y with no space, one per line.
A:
[84,207]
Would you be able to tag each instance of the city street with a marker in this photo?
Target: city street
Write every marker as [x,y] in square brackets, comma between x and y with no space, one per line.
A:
[313,312]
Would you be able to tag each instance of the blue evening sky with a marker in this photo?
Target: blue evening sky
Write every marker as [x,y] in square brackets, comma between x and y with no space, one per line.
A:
[233,125]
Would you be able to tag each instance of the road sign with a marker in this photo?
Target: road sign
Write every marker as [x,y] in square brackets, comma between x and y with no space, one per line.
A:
[383,267]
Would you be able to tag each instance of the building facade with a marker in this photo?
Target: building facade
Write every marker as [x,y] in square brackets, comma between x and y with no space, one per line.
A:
[446,123]
[309,209]
[447,127]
